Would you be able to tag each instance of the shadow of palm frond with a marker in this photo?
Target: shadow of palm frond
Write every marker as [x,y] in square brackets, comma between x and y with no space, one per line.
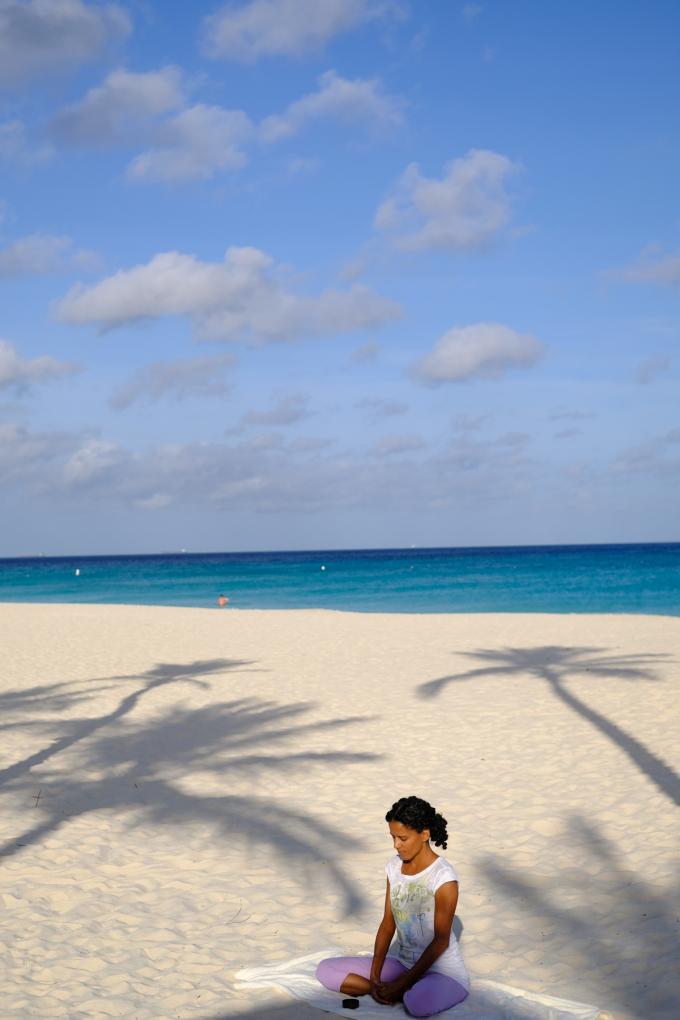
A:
[59,697]
[556,664]
[635,938]
[141,765]
[64,696]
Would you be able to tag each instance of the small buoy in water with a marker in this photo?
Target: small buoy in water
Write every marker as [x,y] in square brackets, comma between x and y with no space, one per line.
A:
[77,571]
[323,567]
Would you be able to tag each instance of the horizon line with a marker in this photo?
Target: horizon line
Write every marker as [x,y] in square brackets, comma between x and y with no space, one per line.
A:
[340,549]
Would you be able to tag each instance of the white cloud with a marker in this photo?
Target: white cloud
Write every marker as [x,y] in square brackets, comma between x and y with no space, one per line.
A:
[291,28]
[194,377]
[286,411]
[653,268]
[463,209]
[19,374]
[193,145]
[354,101]
[186,142]
[93,461]
[265,475]
[38,254]
[240,298]
[485,350]
[119,109]
[26,457]
[39,36]
[194,142]
[15,147]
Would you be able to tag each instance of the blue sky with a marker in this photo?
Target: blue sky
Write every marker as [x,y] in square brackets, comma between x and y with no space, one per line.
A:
[287,274]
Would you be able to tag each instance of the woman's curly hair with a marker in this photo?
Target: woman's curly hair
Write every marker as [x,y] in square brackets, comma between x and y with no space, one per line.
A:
[419,815]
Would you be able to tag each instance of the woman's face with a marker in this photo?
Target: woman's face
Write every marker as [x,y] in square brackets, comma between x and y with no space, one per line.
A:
[407,842]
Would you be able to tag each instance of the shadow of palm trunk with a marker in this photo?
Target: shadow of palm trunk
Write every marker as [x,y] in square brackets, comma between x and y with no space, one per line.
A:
[624,929]
[654,767]
[554,664]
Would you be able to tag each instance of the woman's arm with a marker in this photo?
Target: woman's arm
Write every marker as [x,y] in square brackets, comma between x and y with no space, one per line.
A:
[445,902]
[383,937]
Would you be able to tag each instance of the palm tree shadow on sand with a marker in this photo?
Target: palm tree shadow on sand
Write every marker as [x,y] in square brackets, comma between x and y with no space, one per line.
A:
[555,665]
[640,928]
[136,765]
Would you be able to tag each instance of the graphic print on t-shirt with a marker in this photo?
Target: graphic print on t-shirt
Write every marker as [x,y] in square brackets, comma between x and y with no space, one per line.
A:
[411,904]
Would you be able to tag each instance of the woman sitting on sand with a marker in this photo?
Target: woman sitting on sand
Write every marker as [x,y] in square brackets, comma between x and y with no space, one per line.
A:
[425,969]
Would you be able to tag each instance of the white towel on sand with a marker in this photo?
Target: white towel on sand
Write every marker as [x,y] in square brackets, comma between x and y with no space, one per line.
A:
[488,1000]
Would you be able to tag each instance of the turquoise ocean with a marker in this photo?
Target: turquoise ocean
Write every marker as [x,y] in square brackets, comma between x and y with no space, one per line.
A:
[541,579]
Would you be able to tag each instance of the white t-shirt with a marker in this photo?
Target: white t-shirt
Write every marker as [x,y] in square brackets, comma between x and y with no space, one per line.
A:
[412,900]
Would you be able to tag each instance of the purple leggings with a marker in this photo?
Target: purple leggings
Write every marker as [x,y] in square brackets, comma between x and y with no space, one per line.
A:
[432,994]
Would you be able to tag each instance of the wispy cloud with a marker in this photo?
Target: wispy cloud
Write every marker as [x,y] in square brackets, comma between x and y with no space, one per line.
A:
[32,459]
[368,352]
[355,101]
[567,414]
[653,368]
[653,267]
[42,36]
[299,165]
[377,407]
[286,410]
[241,298]
[395,446]
[469,422]
[16,148]
[19,374]
[95,461]
[471,12]
[485,350]
[465,208]
[38,254]
[177,380]
[290,28]
[568,433]
[658,455]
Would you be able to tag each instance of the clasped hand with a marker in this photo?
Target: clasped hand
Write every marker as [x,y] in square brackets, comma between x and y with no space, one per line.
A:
[388,992]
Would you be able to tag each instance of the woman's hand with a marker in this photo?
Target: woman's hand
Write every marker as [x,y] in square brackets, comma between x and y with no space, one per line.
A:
[376,993]
[389,992]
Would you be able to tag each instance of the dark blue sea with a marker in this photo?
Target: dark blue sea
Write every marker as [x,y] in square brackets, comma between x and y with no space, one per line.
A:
[540,579]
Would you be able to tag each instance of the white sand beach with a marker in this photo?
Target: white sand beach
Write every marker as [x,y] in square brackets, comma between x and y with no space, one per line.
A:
[186,792]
